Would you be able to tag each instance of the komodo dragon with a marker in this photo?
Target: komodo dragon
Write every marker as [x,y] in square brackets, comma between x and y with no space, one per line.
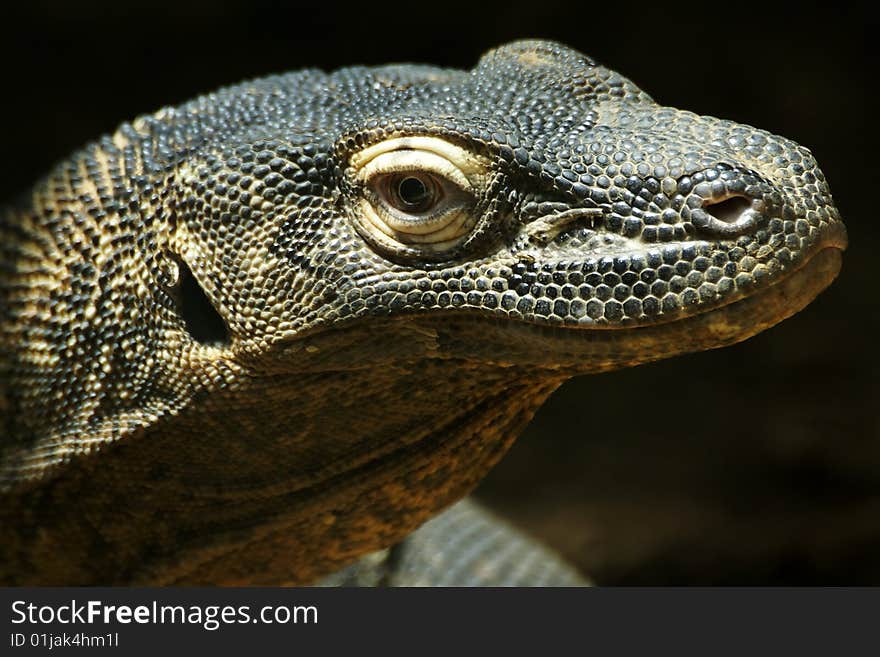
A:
[256,337]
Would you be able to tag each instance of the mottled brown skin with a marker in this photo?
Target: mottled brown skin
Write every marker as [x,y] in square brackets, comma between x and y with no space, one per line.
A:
[341,381]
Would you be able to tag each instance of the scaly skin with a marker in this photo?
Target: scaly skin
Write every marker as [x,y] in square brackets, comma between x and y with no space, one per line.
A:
[232,353]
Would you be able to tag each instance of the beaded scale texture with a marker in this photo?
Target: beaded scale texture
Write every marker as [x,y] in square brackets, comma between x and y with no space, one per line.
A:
[230,357]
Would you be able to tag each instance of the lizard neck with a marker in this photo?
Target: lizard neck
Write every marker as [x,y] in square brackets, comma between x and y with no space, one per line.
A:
[290,474]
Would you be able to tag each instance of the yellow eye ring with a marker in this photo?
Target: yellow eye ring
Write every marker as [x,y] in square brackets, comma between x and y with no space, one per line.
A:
[418,194]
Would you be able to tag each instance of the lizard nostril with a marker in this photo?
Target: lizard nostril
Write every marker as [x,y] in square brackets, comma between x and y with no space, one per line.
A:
[725,201]
[730,210]
[726,217]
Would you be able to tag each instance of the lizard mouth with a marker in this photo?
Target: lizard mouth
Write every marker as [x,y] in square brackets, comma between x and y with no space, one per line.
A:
[814,271]
[751,312]
[569,350]
[620,286]
[578,346]
[573,350]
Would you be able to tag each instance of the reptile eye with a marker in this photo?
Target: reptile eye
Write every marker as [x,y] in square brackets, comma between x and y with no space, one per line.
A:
[418,194]
[417,197]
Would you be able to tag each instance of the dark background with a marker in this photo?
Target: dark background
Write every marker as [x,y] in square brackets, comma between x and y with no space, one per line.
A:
[759,463]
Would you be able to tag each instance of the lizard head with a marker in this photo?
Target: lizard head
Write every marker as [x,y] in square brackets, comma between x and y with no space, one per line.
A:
[533,211]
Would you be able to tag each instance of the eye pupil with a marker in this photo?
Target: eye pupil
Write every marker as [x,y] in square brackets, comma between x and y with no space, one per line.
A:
[414,193]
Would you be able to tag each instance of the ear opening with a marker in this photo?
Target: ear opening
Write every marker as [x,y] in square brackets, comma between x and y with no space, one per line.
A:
[203,322]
